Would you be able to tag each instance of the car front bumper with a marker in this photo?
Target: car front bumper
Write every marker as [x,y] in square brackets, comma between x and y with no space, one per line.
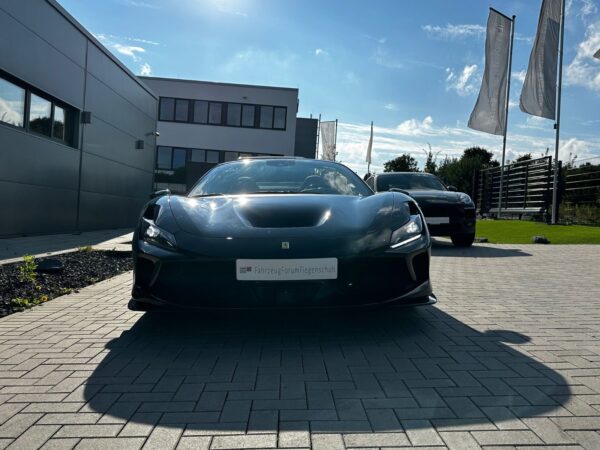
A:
[399,276]
[460,221]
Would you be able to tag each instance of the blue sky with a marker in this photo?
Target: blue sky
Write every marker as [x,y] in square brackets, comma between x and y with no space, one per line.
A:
[414,68]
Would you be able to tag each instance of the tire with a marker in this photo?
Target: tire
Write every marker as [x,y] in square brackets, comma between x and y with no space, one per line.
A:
[135,305]
[463,240]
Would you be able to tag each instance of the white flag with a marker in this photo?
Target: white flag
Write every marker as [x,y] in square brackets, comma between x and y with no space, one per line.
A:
[489,114]
[328,141]
[538,96]
[597,54]
[370,146]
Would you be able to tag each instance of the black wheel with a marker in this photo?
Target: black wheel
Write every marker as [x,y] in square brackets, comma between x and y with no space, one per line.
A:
[135,305]
[463,240]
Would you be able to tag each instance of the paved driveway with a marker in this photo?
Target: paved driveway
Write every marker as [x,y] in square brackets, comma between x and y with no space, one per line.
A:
[509,357]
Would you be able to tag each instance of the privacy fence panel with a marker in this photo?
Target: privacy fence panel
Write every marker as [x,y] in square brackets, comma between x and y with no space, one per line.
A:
[580,189]
[526,189]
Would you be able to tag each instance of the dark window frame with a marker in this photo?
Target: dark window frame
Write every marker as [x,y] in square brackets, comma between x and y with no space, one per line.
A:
[72,114]
[224,107]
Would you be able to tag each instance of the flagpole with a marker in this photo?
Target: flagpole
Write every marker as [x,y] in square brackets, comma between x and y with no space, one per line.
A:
[369,161]
[557,124]
[335,141]
[512,37]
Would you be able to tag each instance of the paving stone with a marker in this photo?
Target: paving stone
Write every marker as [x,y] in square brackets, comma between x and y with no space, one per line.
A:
[244,441]
[522,370]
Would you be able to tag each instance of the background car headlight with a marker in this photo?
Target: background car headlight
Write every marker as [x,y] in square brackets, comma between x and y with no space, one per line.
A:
[465,199]
[410,231]
[151,233]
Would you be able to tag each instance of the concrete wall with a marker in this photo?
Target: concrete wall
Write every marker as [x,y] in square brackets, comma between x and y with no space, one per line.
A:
[213,137]
[49,187]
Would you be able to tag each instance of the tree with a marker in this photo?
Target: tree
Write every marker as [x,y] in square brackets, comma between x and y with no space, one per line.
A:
[431,162]
[403,163]
[525,157]
[463,172]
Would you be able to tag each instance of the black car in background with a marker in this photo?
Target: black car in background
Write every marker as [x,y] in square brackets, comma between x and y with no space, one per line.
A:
[447,212]
[281,232]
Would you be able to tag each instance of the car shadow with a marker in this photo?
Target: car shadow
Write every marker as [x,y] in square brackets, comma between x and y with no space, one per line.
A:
[358,371]
[446,248]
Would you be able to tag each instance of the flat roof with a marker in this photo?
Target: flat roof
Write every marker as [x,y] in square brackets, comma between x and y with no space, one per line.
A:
[63,12]
[218,83]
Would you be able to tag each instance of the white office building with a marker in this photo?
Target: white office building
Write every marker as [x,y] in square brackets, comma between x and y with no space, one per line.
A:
[203,123]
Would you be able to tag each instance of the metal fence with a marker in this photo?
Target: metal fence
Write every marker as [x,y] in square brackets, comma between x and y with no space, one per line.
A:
[580,192]
[526,189]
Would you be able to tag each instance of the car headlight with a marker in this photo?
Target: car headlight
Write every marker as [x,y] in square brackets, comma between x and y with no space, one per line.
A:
[152,234]
[409,232]
[465,199]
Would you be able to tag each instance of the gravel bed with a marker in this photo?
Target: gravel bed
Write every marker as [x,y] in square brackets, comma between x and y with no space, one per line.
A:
[81,269]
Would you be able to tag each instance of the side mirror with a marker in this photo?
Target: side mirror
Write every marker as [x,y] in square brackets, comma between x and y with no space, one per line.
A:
[452,188]
[160,193]
[400,190]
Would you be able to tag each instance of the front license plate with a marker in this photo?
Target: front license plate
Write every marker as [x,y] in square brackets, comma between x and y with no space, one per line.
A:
[286,269]
[437,220]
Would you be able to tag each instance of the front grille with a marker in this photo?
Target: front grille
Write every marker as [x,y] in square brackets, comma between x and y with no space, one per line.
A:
[443,210]
[360,281]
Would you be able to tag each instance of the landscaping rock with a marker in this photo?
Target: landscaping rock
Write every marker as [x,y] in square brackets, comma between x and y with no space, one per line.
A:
[79,269]
[540,240]
[50,265]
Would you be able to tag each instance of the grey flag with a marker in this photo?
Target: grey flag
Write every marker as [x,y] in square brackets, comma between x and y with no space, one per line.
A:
[597,54]
[328,137]
[489,114]
[538,97]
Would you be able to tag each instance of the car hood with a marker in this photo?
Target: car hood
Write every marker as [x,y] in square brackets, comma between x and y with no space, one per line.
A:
[435,196]
[286,215]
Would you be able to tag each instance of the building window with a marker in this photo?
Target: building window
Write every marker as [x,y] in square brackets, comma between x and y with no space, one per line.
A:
[231,156]
[58,128]
[179,157]
[266,117]
[220,113]
[200,111]
[181,110]
[40,115]
[167,108]
[12,104]
[234,114]
[279,118]
[212,156]
[215,112]
[248,115]
[198,155]
[163,157]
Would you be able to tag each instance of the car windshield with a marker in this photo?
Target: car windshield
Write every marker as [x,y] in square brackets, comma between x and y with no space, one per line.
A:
[280,176]
[409,182]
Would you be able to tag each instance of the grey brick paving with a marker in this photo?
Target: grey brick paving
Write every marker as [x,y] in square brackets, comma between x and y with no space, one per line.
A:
[509,358]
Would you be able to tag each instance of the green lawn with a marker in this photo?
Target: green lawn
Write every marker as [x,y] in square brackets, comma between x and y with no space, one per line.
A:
[521,232]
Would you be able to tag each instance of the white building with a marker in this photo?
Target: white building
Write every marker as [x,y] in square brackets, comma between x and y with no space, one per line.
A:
[204,123]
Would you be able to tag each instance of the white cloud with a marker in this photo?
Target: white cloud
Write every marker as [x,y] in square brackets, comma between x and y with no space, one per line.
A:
[129,50]
[268,67]
[520,75]
[584,70]
[321,52]
[145,70]
[381,40]
[382,58]
[141,4]
[413,127]
[584,8]
[413,135]
[451,31]
[464,83]
[390,107]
